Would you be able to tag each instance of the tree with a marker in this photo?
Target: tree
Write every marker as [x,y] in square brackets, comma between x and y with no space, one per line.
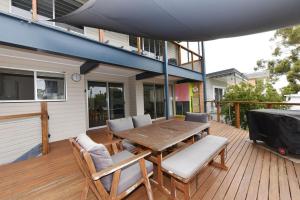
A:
[248,92]
[286,59]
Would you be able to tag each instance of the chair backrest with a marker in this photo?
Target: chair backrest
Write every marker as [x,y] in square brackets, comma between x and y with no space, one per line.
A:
[117,125]
[196,117]
[85,162]
[141,120]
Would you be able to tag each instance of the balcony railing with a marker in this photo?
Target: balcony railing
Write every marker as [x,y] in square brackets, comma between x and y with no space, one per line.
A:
[235,108]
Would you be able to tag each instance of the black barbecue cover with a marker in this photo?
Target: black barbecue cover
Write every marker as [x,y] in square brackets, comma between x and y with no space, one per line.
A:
[277,128]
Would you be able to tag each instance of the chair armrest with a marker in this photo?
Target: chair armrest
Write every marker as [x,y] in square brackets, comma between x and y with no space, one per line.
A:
[120,165]
[114,141]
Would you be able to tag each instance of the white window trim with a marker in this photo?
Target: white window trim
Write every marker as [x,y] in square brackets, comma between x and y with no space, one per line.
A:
[35,87]
[218,87]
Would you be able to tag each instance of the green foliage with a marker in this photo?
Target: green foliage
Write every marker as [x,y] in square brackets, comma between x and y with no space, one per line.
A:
[248,92]
[286,59]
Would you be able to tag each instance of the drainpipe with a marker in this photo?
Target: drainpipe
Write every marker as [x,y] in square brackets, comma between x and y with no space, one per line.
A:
[166,80]
[203,69]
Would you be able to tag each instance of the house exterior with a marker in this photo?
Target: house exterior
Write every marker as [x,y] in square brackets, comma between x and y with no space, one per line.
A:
[86,75]
[217,82]
[258,76]
[293,98]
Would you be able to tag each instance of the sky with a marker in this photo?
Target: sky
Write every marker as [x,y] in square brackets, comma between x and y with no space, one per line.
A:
[238,52]
[241,53]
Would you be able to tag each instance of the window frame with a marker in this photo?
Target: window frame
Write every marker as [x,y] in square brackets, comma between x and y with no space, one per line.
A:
[35,87]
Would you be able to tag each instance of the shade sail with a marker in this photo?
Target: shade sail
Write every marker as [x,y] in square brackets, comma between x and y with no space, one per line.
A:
[188,20]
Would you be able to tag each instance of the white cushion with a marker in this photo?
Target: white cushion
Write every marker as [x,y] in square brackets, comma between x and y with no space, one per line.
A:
[187,162]
[122,124]
[141,120]
[85,142]
[130,174]
[100,156]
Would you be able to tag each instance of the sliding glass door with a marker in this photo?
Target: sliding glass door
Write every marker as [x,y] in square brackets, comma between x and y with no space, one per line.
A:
[105,101]
[116,100]
[154,100]
[97,104]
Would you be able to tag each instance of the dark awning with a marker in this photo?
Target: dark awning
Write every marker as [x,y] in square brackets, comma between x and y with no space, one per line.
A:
[190,20]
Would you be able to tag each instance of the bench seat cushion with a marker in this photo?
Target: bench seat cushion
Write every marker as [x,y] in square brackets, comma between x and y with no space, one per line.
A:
[187,162]
[131,174]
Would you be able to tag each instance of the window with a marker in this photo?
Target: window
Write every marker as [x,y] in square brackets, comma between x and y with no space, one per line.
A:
[105,101]
[218,94]
[16,85]
[21,85]
[154,103]
[50,86]
[48,9]
[133,41]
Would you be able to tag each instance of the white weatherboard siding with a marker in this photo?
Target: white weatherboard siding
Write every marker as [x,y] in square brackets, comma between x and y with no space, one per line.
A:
[4,5]
[91,33]
[67,119]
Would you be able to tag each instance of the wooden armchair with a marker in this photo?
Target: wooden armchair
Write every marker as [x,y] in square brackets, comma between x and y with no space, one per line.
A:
[92,178]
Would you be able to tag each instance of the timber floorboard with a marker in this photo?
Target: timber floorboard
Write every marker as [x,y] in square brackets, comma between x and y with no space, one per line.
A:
[253,173]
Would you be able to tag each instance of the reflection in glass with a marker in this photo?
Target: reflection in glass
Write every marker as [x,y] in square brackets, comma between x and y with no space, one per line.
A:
[50,86]
[154,100]
[16,84]
[149,100]
[116,100]
[97,104]
[160,104]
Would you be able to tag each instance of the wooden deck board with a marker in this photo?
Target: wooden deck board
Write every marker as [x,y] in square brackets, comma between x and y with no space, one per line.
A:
[254,173]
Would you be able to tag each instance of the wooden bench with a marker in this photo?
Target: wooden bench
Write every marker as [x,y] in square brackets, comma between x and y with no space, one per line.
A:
[184,165]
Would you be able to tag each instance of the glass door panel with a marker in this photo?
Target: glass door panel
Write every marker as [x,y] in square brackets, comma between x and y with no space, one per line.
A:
[116,100]
[97,104]
[160,104]
[149,100]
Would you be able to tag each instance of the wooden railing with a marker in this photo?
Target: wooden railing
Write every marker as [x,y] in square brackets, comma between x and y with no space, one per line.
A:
[192,57]
[44,123]
[237,107]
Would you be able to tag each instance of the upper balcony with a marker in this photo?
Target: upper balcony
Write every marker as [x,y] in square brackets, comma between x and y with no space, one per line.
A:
[178,55]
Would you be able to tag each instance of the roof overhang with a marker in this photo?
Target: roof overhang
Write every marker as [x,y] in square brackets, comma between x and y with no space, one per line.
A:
[190,20]
[18,32]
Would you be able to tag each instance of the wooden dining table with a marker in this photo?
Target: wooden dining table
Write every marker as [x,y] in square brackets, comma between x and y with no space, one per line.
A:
[160,136]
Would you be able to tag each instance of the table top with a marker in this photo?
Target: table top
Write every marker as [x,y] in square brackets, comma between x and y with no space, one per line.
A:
[162,135]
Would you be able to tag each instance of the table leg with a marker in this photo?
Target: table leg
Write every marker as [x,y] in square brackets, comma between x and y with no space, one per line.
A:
[160,178]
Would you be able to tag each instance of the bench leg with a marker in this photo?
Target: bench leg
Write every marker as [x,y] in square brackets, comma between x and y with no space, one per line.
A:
[187,191]
[220,165]
[173,188]
[184,187]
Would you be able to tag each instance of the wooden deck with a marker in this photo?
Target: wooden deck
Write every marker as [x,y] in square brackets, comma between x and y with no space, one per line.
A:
[254,173]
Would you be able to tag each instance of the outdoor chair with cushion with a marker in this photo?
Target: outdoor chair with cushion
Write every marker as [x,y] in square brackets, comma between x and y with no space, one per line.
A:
[141,120]
[110,176]
[123,124]
[198,117]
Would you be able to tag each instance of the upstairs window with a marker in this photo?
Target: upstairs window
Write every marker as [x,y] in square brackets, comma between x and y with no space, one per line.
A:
[48,9]
[22,85]
[133,41]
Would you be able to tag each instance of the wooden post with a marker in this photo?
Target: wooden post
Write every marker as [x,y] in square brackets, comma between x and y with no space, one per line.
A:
[44,119]
[34,10]
[179,55]
[237,115]
[192,61]
[269,105]
[201,97]
[218,111]
[101,35]
[139,46]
